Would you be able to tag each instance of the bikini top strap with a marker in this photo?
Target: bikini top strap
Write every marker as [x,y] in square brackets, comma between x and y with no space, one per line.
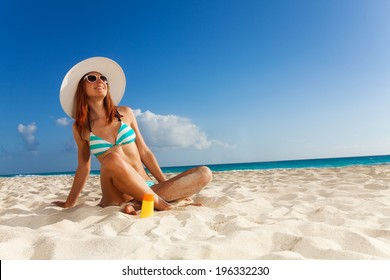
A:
[118,115]
[89,125]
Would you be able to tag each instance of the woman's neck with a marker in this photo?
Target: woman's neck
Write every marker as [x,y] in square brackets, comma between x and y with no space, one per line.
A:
[96,110]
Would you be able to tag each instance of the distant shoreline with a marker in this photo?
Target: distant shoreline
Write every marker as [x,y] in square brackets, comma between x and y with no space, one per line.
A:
[285,164]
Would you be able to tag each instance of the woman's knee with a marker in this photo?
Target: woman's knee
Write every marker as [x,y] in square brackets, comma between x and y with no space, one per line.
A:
[205,174]
[112,162]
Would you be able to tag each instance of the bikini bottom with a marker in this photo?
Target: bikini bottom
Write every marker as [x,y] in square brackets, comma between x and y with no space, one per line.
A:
[149,183]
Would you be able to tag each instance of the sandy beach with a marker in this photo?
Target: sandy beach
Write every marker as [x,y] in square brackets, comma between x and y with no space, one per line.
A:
[325,213]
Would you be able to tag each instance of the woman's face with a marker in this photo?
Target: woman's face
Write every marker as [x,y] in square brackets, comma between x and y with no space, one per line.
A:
[95,85]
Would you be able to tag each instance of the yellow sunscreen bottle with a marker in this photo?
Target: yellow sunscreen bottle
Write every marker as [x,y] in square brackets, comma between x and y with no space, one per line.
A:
[147,207]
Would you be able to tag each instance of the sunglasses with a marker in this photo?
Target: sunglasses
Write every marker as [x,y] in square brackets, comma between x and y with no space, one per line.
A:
[91,78]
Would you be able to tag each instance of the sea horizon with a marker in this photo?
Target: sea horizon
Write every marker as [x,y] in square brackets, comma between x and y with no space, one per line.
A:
[261,165]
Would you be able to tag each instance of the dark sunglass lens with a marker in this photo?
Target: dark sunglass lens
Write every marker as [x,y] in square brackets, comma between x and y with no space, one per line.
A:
[91,78]
[103,78]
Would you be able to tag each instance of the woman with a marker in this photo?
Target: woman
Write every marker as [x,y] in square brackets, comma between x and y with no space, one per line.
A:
[89,93]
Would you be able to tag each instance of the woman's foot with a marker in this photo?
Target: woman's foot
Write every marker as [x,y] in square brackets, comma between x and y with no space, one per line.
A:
[187,202]
[131,208]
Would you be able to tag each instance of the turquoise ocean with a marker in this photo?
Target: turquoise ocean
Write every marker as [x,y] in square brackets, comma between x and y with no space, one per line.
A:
[304,163]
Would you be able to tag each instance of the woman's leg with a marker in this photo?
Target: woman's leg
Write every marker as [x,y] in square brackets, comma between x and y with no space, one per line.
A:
[119,181]
[179,187]
[184,185]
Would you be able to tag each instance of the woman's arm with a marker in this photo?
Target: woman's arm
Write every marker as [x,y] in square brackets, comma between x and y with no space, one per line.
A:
[147,156]
[150,162]
[82,172]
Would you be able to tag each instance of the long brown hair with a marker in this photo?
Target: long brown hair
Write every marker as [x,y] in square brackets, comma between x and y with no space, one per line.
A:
[82,109]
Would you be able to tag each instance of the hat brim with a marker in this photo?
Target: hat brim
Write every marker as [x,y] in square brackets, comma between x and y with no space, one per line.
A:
[105,66]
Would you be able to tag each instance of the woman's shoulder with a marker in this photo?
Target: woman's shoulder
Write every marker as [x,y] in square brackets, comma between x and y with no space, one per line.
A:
[80,135]
[126,112]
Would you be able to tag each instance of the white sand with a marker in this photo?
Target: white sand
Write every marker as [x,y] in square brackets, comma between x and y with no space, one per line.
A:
[340,213]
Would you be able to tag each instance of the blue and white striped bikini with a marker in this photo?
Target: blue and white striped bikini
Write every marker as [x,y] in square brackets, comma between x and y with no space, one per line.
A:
[99,146]
[126,135]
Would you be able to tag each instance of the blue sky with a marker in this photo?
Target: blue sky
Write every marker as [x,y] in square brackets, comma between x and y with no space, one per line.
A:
[210,81]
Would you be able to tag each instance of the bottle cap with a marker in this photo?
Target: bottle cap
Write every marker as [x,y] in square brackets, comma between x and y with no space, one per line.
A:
[149,197]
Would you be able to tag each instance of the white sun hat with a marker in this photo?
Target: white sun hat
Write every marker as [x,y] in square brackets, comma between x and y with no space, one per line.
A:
[105,66]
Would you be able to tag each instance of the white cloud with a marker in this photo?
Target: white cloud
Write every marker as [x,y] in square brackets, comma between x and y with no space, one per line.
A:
[171,132]
[27,133]
[63,121]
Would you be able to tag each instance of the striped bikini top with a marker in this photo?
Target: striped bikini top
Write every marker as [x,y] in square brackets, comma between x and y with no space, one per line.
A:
[99,146]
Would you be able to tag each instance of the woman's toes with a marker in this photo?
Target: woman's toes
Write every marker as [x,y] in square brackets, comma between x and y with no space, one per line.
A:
[129,209]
